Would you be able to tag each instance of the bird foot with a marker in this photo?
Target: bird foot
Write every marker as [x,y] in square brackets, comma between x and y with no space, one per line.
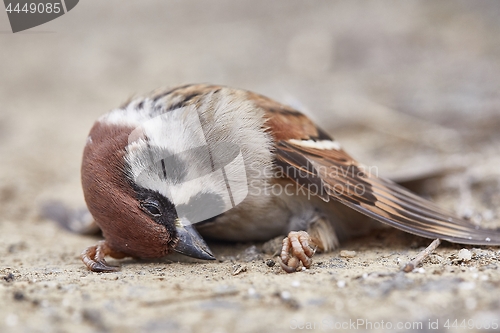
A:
[93,258]
[296,250]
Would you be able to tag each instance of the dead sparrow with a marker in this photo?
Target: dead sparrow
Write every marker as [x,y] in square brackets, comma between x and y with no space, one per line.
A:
[237,166]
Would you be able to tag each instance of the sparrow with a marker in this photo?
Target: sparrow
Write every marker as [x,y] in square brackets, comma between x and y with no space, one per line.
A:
[166,171]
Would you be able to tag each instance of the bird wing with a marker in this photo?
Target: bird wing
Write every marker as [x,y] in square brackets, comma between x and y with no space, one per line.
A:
[327,171]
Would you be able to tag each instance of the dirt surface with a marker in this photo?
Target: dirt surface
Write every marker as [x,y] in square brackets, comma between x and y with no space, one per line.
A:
[409,87]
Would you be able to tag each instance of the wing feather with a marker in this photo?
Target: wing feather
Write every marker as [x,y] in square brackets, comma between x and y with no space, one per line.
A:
[337,175]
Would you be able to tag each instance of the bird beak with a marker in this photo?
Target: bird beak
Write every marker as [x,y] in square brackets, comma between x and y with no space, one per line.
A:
[190,243]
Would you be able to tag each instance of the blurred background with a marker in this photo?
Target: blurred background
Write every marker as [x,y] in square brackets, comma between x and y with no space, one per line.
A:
[409,86]
[423,76]
[419,74]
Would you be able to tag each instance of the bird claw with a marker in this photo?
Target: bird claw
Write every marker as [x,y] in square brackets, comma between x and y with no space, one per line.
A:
[296,251]
[93,258]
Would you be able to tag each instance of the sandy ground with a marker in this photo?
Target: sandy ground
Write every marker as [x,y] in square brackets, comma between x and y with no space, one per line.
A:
[409,87]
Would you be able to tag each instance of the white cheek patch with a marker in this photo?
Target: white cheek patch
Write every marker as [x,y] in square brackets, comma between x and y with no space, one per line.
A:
[163,148]
[321,144]
[170,155]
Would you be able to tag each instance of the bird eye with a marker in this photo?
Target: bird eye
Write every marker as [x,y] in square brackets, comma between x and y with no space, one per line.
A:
[153,208]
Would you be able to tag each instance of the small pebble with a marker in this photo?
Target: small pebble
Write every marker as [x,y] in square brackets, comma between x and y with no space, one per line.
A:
[287,298]
[341,283]
[270,262]
[464,255]
[9,277]
[252,292]
[18,296]
[237,269]
[285,295]
[347,254]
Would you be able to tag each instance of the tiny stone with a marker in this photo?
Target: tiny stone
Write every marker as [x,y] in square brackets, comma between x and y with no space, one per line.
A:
[237,269]
[435,259]
[18,296]
[341,284]
[285,295]
[252,292]
[347,254]
[464,255]
[270,262]
[287,298]
[92,316]
[9,277]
